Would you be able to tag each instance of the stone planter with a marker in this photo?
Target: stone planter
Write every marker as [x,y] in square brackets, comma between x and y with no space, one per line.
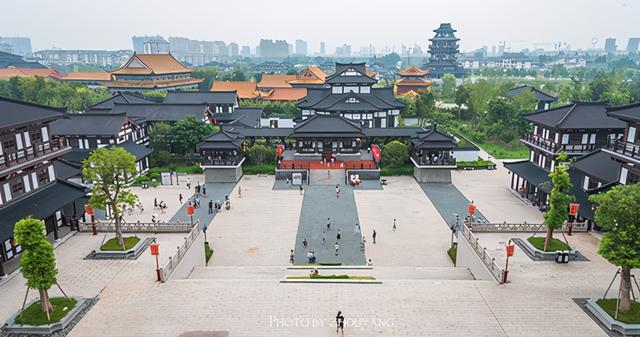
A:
[546,256]
[59,328]
[129,254]
[603,317]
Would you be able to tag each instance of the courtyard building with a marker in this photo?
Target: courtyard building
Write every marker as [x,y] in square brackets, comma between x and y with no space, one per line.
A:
[413,80]
[544,100]
[30,184]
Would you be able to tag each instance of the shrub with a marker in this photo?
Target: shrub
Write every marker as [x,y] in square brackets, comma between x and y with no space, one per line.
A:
[259,169]
[395,154]
[260,154]
[396,171]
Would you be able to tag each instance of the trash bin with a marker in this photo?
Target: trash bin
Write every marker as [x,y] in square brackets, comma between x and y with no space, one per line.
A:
[559,256]
[565,256]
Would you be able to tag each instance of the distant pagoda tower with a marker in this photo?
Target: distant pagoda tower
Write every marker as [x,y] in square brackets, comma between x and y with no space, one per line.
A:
[443,52]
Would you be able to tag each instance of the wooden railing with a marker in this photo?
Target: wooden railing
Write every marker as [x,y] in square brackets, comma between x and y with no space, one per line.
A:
[426,161]
[167,269]
[138,227]
[522,227]
[490,262]
[627,149]
[12,158]
[540,142]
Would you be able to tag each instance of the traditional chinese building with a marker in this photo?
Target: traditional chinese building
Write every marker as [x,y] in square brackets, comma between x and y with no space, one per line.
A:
[350,94]
[575,129]
[245,90]
[544,100]
[29,184]
[310,77]
[443,52]
[412,79]
[152,72]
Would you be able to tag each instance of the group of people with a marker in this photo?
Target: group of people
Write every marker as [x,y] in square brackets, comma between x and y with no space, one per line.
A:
[162,206]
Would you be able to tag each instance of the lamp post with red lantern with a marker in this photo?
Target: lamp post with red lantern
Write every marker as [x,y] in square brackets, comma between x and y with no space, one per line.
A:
[510,250]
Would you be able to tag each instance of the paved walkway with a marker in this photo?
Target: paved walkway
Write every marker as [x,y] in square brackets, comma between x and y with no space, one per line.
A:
[320,203]
[449,201]
[215,192]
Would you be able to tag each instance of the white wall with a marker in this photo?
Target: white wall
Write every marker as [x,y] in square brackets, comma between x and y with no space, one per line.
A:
[467,258]
[193,258]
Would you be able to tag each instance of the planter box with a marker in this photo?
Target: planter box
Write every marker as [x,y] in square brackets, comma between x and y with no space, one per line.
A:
[331,281]
[67,321]
[623,328]
[547,256]
[129,254]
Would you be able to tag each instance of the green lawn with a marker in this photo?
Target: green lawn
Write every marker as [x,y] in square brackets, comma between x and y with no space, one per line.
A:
[331,277]
[555,244]
[453,252]
[208,252]
[477,163]
[33,314]
[500,150]
[112,244]
[259,169]
[632,317]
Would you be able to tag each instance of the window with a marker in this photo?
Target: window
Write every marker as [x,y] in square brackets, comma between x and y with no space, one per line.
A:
[80,144]
[365,90]
[336,90]
[8,247]
[25,182]
[565,138]
[59,220]
[45,134]
[631,136]
[350,72]
[34,180]
[351,89]
[585,184]
[52,174]
[18,141]
[7,192]
[585,138]
[623,175]
[593,139]
[43,177]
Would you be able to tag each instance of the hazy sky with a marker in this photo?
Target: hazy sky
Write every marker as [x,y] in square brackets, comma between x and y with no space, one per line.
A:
[91,24]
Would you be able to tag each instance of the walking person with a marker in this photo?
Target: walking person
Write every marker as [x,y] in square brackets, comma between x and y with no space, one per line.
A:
[180,198]
[324,237]
[204,190]
[155,203]
[188,183]
[301,189]
[291,256]
[210,206]
[338,235]
[394,225]
[305,243]
[358,227]
[337,191]
[337,247]
[328,224]
[340,323]
[374,236]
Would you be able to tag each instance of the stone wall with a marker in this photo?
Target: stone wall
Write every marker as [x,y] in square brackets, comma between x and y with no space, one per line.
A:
[365,174]
[286,174]
[194,257]
[432,175]
[221,174]
[467,258]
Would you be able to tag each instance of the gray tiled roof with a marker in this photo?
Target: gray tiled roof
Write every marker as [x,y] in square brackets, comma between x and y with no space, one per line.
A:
[578,115]
[629,112]
[540,95]
[211,98]
[15,113]
[598,164]
[89,124]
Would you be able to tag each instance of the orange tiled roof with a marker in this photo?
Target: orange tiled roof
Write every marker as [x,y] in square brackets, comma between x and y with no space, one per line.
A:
[411,94]
[246,90]
[413,71]
[310,75]
[276,81]
[7,73]
[286,94]
[413,82]
[86,76]
[146,64]
[153,84]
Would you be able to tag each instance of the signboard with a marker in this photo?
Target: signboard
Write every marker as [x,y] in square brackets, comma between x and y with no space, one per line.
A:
[165,177]
[155,249]
[88,209]
[296,179]
[377,154]
[190,210]
[472,209]
[573,209]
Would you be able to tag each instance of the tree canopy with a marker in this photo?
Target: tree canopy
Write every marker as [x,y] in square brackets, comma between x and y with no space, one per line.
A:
[395,154]
[559,198]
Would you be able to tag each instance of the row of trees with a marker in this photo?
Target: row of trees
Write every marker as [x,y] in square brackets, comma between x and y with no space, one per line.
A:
[52,93]
[179,139]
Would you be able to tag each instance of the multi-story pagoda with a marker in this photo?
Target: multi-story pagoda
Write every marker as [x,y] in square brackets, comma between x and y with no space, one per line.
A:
[412,79]
[443,53]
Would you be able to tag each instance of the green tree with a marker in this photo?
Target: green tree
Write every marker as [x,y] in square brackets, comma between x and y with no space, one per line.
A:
[37,263]
[448,86]
[395,154]
[110,170]
[559,200]
[160,136]
[187,133]
[259,154]
[462,98]
[209,74]
[480,94]
[618,215]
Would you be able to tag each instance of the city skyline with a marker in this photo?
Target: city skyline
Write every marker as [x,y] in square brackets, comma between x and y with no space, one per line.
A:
[486,27]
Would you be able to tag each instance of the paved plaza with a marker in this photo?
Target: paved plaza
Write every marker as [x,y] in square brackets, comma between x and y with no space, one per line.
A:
[422,293]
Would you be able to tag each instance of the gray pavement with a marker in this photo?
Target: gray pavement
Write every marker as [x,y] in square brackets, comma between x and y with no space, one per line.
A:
[320,203]
[449,201]
[215,191]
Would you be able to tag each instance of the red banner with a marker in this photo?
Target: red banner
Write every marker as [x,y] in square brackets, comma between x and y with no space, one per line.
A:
[573,209]
[190,210]
[155,249]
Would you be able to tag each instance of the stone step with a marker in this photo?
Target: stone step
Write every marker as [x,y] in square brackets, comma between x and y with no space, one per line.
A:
[240,272]
[395,273]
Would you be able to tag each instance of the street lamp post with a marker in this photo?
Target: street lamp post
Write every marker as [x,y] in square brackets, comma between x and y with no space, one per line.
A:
[510,250]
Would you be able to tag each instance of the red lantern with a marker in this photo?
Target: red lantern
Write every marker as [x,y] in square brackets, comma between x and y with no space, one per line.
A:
[88,209]
[510,250]
[573,209]
[190,210]
[472,209]
[155,249]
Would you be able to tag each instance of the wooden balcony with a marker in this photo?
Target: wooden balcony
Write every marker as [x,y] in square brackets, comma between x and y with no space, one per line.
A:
[540,142]
[39,151]
[626,149]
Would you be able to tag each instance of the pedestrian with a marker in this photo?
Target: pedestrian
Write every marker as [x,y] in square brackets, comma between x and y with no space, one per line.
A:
[369,263]
[218,206]
[374,236]
[197,202]
[301,189]
[239,191]
[394,225]
[180,198]
[198,189]
[188,183]
[357,227]
[155,203]
[153,218]
[338,235]
[337,191]
[337,247]
[210,206]
[328,224]
[340,323]
[305,243]
[324,237]
[291,256]
[204,190]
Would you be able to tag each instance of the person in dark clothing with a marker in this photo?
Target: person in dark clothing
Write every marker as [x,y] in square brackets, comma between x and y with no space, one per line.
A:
[340,322]
[204,190]
[291,257]
[328,224]
[180,198]
[374,236]
[338,236]
[210,206]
